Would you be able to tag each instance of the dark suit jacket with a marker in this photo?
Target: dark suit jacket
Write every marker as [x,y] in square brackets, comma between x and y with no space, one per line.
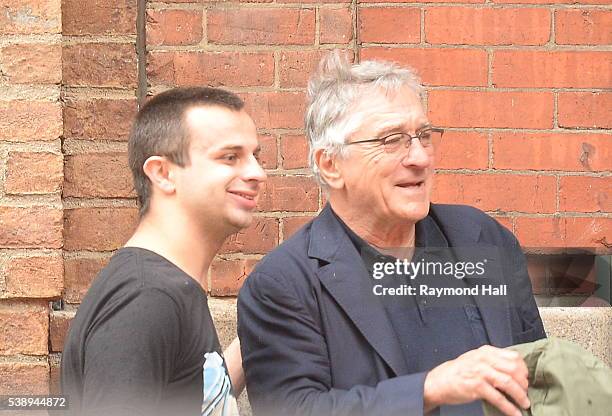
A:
[316,342]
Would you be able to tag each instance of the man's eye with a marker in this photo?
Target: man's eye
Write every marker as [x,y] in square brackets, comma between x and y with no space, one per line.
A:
[425,135]
[393,138]
[231,157]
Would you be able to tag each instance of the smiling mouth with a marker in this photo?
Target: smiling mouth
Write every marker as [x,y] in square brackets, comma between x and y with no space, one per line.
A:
[250,197]
[412,185]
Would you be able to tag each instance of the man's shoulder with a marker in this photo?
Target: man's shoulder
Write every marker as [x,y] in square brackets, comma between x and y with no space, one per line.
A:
[465,218]
[137,273]
[286,265]
[457,213]
[294,249]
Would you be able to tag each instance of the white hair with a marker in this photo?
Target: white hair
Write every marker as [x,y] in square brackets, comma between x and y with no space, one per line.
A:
[332,92]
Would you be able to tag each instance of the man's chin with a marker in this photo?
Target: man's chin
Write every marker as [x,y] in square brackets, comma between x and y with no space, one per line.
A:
[414,212]
[241,220]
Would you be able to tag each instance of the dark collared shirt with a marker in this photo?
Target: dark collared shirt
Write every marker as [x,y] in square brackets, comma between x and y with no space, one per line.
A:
[430,330]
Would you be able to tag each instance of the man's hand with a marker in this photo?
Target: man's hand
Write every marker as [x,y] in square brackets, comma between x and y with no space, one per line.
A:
[233,361]
[485,373]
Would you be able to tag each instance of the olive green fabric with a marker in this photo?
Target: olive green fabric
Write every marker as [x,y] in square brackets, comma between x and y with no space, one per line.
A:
[564,380]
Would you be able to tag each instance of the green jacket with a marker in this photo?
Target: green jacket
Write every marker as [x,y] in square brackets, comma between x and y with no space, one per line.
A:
[564,380]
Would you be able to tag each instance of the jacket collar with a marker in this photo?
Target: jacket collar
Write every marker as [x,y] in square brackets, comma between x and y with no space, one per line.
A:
[346,279]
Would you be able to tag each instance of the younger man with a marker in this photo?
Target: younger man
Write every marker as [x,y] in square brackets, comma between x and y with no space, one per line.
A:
[143,340]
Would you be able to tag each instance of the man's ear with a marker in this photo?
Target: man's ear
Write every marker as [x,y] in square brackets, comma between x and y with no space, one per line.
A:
[329,169]
[159,171]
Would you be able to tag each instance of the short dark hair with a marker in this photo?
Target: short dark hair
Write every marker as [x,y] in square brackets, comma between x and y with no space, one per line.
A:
[160,130]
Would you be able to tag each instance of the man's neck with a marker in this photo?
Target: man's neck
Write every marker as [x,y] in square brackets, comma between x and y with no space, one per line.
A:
[381,234]
[186,246]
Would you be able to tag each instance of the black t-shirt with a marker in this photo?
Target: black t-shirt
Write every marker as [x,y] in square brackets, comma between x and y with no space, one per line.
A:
[139,341]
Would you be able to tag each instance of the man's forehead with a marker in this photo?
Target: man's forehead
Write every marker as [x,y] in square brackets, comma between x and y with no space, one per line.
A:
[216,126]
[391,103]
[382,115]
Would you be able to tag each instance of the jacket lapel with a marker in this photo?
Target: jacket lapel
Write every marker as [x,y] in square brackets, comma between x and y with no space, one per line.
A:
[464,233]
[346,279]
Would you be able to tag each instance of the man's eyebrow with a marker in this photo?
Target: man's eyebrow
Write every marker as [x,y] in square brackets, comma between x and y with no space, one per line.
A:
[237,148]
[424,125]
[391,127]
[231,147]
[388,128]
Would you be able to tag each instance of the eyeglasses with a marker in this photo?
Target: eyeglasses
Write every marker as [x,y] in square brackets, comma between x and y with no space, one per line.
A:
[394,141]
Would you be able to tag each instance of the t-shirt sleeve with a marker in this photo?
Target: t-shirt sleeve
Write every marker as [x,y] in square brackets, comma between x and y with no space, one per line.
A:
[130,352]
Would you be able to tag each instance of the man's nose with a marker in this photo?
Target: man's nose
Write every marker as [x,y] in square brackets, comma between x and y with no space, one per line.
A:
[253,171]
[418,155]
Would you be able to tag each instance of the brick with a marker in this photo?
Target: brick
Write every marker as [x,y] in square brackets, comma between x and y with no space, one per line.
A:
[487,26]
[390,25]
[251,26]
[24,378]
[585,194]
[174,27]
[583,27]
[104,175]
[211,68]
[278,109]
[32,227]
[99,17]
[589,232]
[455,67]
[33,173]
[59,323]
[491,109]
[24,328]
[32,63]
[296,67]
[260,237]
[336,25]
[78,275]
[535,233]
[98,229]
[314,1]
[585,109]
[100,65]
[55,385]
[35,277]
[227,276]
[25,17]
[99,119]
[523,193]
[423,1]
[268,158]
[574,232]
[22,120]
[462,150]
[294,151]
[552,1]
[544,151]
[293,224]
[572,69]
[289,193]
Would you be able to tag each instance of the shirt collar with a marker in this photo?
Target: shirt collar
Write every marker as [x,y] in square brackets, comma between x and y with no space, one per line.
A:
[427,234]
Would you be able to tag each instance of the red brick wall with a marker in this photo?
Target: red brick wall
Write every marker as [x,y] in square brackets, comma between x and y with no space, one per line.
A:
[523,89]
[31,175]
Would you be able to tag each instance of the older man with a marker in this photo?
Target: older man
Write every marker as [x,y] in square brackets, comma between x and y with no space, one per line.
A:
[318,334]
